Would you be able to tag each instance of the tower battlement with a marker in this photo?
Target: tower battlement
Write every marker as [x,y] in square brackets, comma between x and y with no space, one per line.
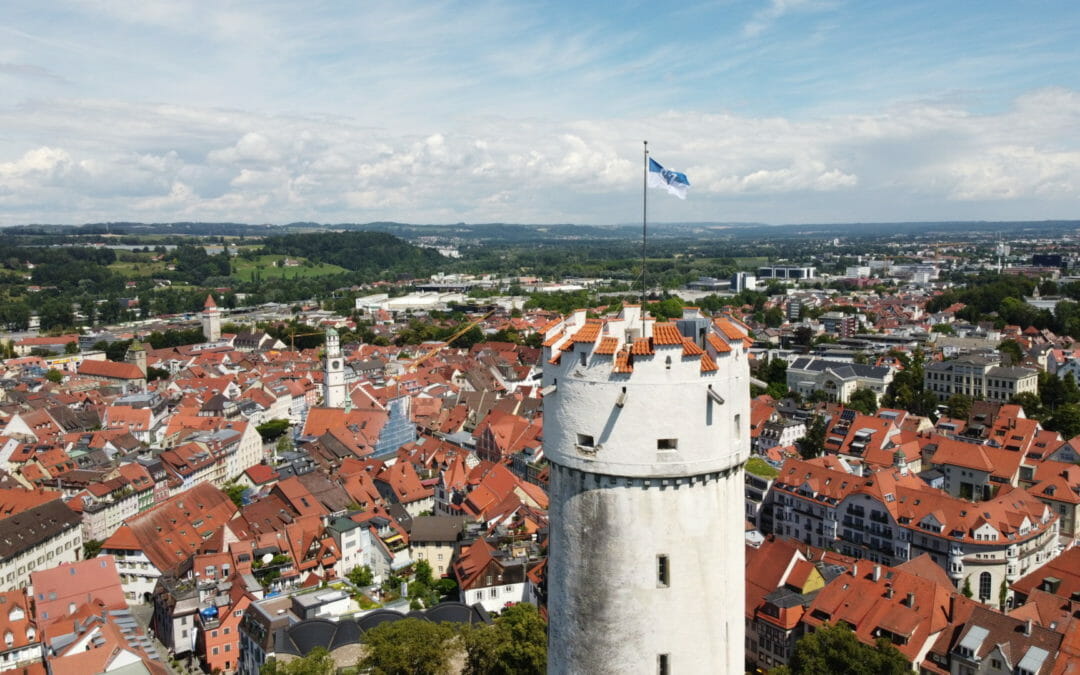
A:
[646,426]
[639,398]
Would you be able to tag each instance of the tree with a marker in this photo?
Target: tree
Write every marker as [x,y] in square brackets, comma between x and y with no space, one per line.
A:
[153,373]
[864,400]
[284,444]
[408,646]
[71,347]
[804,335]
[361,576]
[272,429]
[1065,420]
[1011,349]
[836,650]
[959,406]
[235,491]
[1031,403]
[966,590]
[813,443]
[515,644]
[318,662]
[422,572]
[91,548]
[54,375]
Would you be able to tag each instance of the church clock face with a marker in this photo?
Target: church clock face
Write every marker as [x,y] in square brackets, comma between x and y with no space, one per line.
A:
[335,364]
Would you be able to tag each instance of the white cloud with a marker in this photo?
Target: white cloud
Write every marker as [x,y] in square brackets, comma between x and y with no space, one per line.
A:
[158,162]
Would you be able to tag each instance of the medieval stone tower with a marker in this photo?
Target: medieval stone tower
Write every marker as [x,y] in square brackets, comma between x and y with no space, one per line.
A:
[211,320]
[646,428]
[334,372]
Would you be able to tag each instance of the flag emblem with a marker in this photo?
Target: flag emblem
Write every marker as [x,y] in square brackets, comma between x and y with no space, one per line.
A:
[675,182]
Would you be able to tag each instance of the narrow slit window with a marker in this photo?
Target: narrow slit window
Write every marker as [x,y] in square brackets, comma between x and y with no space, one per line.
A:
[663,667]
[584,358]
[667,444]
[663,571]
[738,427]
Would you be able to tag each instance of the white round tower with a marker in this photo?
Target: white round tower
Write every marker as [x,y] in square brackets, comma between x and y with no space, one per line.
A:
[334,372]
[646,428]
[211,320]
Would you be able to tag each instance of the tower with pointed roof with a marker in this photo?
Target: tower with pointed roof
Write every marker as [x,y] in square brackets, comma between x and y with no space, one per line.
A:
[334,372]
[136,354]
[647,431]
[211,320]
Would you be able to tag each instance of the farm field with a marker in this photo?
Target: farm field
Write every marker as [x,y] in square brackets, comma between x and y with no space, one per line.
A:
[267,268]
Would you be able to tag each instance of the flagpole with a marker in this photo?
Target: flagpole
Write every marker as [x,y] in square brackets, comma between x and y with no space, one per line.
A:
[644,212]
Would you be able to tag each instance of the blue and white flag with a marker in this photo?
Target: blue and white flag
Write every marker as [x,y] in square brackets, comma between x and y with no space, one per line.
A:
[674,181]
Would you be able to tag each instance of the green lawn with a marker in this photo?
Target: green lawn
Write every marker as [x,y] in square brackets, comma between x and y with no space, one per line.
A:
[760,467]
[137,269]
[265,264]
[752,263]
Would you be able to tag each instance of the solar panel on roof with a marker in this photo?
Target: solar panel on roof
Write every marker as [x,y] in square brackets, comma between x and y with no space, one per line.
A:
[848,415]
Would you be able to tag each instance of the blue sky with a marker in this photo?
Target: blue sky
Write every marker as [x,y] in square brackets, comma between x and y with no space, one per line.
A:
[778,110]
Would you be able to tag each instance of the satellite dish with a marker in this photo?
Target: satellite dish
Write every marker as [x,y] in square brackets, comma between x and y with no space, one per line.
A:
[267,557]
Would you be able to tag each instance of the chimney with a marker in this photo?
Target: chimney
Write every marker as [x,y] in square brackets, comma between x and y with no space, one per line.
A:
[910,601]
[1027,628]
[877,573]
[855,569]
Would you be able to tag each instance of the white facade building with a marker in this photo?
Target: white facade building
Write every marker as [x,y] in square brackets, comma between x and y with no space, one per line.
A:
[44,536]
[647,432]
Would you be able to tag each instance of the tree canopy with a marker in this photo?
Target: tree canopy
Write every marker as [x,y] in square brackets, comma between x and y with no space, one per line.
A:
[516,644]
[835,650]
[409,646]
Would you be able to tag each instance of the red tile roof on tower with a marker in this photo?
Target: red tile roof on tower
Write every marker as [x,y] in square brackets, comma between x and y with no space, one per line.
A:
[209,301]
[589,332]
[666,334]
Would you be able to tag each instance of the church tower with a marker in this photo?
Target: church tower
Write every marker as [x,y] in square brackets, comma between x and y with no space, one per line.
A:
[646,428]
[136,354]
[334,372]
[211,320]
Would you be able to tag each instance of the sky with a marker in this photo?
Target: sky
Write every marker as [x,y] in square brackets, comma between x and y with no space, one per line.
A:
[778,111]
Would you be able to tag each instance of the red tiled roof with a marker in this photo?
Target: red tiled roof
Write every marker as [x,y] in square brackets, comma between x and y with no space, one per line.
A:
[110,369]
[707,364]
[641,347]
[608,345]
[589,332]
[666,334]
[690,348]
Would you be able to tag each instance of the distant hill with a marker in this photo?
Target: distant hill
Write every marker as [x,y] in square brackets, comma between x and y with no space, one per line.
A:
[524,233]
[367,252]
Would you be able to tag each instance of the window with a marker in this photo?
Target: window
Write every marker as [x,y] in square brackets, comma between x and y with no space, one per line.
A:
[663,573]
[737,431]
[984,586]
[667,444]
[586,441]
[663,667]
[584,358]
